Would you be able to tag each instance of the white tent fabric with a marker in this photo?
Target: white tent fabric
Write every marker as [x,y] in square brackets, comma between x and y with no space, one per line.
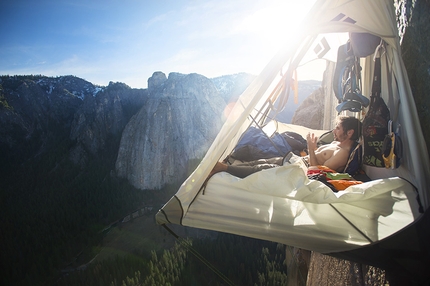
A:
[326,19]
[283,205]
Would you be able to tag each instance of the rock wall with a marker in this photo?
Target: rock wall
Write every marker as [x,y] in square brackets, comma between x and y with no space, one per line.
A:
[311,111]
[414,26]
[179,121]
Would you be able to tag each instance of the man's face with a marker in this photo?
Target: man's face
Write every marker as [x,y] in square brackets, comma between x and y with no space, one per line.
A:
[339,134]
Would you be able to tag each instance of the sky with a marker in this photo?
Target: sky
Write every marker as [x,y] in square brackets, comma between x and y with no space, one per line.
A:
[128,40]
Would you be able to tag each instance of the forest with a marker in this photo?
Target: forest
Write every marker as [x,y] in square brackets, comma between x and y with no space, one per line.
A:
[226,260]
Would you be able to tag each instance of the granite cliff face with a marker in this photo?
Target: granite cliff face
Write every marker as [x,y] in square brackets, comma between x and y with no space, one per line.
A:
[414,26]
[103,117]
[178,123]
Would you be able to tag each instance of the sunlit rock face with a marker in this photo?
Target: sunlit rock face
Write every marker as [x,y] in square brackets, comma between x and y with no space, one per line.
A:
[311,112]
[178,123]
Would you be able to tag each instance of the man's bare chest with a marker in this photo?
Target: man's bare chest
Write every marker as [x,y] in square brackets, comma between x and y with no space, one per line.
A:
[326,152]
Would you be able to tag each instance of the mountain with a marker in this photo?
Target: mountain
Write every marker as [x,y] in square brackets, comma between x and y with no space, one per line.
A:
[177,124]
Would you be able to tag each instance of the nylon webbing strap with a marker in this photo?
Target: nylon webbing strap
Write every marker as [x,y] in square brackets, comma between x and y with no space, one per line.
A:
[395,105]
[190,248]
[376,86]
[351,224]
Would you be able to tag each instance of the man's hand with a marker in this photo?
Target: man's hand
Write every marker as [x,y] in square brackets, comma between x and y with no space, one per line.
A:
[312,146]
[312,141]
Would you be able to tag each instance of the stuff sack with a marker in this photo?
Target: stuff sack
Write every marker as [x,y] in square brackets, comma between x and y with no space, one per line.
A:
[296,141]
[364,44]
[375,128]
[256,145]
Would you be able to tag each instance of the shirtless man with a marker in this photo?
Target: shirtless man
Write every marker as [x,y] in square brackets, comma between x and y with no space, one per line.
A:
[334,155]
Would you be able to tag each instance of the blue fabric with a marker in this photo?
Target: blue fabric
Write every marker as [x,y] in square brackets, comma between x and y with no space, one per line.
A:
[356,156]
[255,139]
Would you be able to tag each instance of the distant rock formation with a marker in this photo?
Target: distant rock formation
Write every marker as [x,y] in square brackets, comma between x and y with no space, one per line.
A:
[178,123]
[103,116]
[311,112]
[155,81]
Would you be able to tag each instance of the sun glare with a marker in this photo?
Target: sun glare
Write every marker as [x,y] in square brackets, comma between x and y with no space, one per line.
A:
[277,21]
[274,24]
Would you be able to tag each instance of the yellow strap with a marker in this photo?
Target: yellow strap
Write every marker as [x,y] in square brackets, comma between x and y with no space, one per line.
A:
[390,160]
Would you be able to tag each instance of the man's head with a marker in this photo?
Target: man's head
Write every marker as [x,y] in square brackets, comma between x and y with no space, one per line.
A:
[347,127]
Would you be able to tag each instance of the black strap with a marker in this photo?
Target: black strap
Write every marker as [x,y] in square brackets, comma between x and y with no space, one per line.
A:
[376,85]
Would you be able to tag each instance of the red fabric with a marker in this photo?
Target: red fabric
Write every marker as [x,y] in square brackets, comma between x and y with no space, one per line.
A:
[343,184]
[339,185]
[321,170]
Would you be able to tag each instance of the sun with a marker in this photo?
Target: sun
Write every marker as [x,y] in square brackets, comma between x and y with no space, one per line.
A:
[273,24]
[277,20]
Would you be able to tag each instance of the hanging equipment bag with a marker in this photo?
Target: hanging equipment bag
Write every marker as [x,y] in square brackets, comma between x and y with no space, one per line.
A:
[375,123]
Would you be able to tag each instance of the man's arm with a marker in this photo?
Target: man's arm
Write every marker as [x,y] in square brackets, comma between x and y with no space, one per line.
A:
[312,146]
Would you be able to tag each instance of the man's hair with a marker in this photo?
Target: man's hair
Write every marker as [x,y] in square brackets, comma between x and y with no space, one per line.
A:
[348,123]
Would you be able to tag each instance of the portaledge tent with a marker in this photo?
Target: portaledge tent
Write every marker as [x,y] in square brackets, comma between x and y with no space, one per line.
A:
[383,222]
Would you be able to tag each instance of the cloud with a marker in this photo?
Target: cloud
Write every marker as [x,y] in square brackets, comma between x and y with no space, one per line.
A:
[154,20]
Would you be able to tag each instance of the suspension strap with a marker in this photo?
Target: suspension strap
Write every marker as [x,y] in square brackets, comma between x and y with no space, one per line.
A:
[189,247]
